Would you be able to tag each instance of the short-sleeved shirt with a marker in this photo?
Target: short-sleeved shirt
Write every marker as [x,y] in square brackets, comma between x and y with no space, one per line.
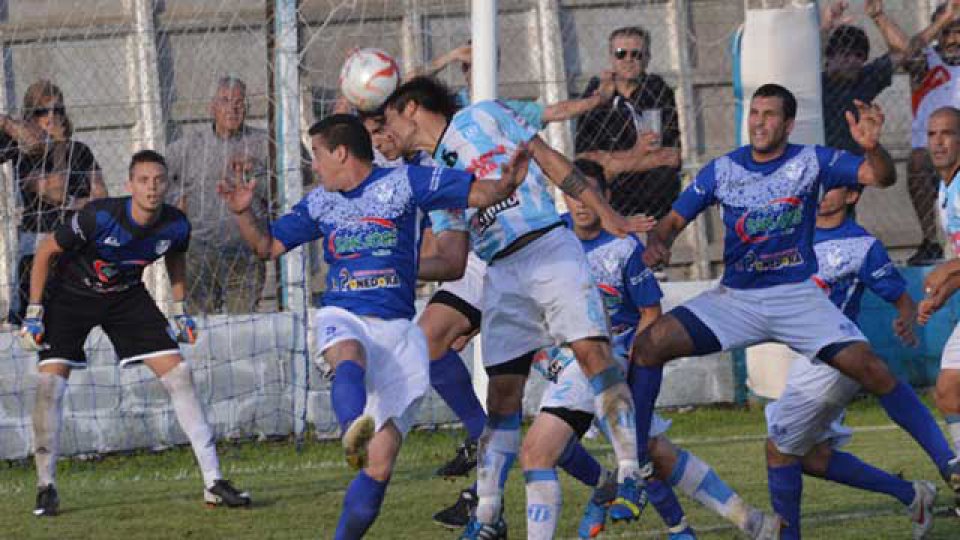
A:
[769,210]
[371,235]
[106,250]
[838,99]
[948,204]
[37,214]
[481,139]
[198,162]
[851,260]
[625,283]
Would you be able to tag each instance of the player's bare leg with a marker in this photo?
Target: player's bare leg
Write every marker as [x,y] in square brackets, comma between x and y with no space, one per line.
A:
[364,495]
[177,379]
[47,418]
[616,418]
[542,446]
[348,395]
[948,402]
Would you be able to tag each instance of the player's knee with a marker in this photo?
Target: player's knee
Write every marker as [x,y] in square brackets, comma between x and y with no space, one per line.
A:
[505,394]
[817,460]
[776,458]
[664,457]
[947,391]
[592,354]
[380,470]
[535,456]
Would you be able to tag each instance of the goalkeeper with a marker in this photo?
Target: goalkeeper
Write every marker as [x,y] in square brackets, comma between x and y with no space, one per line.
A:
[100,255]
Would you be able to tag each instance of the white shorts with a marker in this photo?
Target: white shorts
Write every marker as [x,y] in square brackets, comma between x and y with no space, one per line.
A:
[469,288]
[795,423]
[950,359]
[798,315]
[539,296]
[398,364]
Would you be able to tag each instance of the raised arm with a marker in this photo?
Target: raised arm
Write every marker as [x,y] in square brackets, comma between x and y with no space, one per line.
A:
[661,238]
[572,108]
[461,54]
[571,181]
[29,137]
[238,196]
[897,41]
[877,169]
[926,36]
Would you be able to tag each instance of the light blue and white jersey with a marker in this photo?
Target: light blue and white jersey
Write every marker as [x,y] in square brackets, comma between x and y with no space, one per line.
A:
[372,235]
[481,139]
[948,203]
[529,110]
[769,210]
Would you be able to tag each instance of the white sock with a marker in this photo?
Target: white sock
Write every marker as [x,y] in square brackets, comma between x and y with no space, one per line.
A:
[544,500]
[183,395]
[953,428]
[616,418]
[700,482]
[497,450]
[47,414]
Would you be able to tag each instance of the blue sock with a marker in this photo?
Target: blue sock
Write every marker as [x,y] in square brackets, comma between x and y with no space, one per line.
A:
[361,504]
[786,488]
[905,408]
[848,469]
[450,378]
[665,502]
[348,393]
[580,464]
[645,386]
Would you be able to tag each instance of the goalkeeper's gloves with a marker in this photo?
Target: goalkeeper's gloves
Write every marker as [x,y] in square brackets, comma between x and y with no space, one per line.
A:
[184,325]
[31,333]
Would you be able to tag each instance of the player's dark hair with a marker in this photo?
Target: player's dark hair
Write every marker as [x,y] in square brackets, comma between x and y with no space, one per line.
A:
[426,92]
[592,169]
[146,156]
[848,39]
[345,130]
[786,98]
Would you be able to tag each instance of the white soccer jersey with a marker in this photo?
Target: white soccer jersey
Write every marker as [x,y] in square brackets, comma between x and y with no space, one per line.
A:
[940,88]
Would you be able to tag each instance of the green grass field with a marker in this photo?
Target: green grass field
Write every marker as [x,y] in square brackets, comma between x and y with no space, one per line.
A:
[297,495]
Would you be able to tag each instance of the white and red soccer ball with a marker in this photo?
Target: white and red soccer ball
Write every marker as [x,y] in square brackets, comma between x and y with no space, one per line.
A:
[368,77]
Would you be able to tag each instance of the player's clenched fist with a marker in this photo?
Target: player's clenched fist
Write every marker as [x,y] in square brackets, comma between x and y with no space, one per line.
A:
[31,333]
[185,326]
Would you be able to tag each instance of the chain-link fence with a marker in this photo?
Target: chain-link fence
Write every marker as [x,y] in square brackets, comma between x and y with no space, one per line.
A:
[207,82]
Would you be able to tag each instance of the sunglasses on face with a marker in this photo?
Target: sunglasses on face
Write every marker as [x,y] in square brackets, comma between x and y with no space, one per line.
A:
[635,54]
[59,110]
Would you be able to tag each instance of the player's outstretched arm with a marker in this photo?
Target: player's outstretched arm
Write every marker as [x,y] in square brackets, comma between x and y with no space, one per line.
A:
[238,195]
[661,238]
[572,108]
[645,155]
[571,181]
[878,169]
[443,257]
[484,193]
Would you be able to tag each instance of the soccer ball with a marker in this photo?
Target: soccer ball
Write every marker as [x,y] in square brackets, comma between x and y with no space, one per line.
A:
[368,78]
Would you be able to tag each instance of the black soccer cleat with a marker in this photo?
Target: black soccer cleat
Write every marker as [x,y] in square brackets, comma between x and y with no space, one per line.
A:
[462,463]
[458,515]
[222,493]
[48,502]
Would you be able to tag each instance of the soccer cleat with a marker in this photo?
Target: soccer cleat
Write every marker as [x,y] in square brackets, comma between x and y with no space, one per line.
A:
[952,478]
[682,531]
[462,463]
[458,515]
[921,509]
[763,526]
[481,531]
[222,493]
[630,501]
[356,439]
[595,515]
[48,502]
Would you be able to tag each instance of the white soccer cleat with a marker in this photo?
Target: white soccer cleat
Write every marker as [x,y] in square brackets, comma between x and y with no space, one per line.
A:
[356,439]
[921,509]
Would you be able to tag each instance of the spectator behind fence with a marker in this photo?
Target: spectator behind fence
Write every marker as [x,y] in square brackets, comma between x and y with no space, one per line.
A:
[640,98]
[935,83]
[848,76]
[55,175]
[225,276]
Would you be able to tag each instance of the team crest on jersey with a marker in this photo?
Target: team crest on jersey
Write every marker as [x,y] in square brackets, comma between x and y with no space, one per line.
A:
[162,246]
[778,218]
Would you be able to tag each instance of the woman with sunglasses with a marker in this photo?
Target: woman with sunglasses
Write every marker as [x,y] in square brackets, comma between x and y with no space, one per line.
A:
[55,174]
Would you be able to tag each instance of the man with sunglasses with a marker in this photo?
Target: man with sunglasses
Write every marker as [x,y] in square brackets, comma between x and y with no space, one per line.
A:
[618,124]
